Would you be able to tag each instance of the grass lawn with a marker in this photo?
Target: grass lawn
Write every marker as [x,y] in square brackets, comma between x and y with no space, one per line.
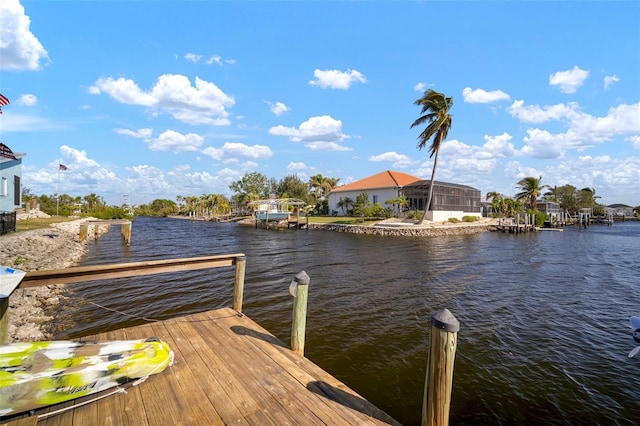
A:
[343,220]
[40,222]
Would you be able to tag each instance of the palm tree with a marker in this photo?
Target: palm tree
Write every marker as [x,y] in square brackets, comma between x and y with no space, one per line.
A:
[530,190]
[493,195]
[435,112]
[330,183]
[552,194]
[321,185]
[344,204]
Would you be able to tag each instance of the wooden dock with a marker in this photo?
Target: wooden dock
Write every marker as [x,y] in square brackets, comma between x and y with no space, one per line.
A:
[227,370]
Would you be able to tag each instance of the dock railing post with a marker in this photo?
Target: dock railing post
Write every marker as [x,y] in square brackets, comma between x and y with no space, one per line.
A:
[84,230]
[439,380]
[299,289]
[238,285]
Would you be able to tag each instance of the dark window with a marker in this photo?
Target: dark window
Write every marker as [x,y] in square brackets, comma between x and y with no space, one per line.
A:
[16,190]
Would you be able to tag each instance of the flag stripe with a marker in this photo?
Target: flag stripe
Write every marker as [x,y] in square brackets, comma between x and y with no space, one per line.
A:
[3,100]
[63,167]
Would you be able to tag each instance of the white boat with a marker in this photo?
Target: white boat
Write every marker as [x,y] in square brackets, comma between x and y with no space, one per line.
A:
[9,280]
[272,215]
[275,209]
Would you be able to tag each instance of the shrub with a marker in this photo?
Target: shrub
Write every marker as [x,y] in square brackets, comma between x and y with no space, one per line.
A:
[453,220]
[414,214]
[470,218]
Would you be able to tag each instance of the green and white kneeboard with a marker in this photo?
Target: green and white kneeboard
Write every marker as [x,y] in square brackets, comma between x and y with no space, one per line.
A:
[37,374]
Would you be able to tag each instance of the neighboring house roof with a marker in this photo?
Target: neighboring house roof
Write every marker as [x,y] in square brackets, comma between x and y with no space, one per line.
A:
[386,179]
[618,206]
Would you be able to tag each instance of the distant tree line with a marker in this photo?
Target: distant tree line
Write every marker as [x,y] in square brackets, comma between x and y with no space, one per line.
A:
[255,186]
[91,205]
[570,199]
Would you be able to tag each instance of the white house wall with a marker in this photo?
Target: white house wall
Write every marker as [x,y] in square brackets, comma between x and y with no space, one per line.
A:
[382,194]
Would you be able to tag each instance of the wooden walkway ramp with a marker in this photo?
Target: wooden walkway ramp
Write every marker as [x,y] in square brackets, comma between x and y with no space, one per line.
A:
[227,370]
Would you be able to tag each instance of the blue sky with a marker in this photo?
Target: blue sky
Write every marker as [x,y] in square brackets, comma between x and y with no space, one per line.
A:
[154,99]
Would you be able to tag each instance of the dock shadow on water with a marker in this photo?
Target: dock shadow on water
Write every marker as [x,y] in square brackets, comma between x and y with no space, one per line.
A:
[544,332]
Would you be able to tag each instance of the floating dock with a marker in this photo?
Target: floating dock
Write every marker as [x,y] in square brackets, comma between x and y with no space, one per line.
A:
[227,370]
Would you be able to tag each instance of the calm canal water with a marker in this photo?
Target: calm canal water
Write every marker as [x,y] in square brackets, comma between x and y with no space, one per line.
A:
[544,333]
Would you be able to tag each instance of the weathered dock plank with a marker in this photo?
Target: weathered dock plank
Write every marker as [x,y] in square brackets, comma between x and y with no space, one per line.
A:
[227,370]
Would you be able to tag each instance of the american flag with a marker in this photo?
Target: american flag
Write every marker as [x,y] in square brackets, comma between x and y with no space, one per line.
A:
[62,167]
[3,101]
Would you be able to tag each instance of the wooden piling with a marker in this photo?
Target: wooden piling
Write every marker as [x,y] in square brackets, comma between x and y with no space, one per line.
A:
[439,379]
[84,230]
[125,231]
[299,319]
[238,285]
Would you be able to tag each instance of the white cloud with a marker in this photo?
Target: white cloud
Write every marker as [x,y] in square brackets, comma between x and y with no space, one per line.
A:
[27,100]
[138,134]
[175,142]
[497,147]
[621,119]
[20,49]
[204,103]
[537,114]
[76,158]
[169,140]
[326,146]
[570,80]
[516,171]
[318,133]
[277,108]
[635,141]
[480,96]
[543,144]
[335,79]
[236,151]
[470,164]
[397,160]
[420,87]
[296,166]
[609,80]
[192,57]
[215,59]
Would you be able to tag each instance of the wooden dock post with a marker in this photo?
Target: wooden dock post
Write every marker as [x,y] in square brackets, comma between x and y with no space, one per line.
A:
[125,231]
[300,284]
[439,380]
[238,285]
[84,230]
[4,321]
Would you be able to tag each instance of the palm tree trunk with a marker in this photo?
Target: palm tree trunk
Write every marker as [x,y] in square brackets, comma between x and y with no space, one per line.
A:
[433,175]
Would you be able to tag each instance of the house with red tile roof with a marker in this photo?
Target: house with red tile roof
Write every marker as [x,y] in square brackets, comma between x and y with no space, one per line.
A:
[449,200]
[379,188]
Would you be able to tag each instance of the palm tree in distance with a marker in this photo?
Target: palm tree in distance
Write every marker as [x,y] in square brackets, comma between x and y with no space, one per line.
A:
[530,189]
[317,184]
[435,112]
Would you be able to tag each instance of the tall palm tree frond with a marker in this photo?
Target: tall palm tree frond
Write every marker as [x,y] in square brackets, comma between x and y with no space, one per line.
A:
[435,112]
